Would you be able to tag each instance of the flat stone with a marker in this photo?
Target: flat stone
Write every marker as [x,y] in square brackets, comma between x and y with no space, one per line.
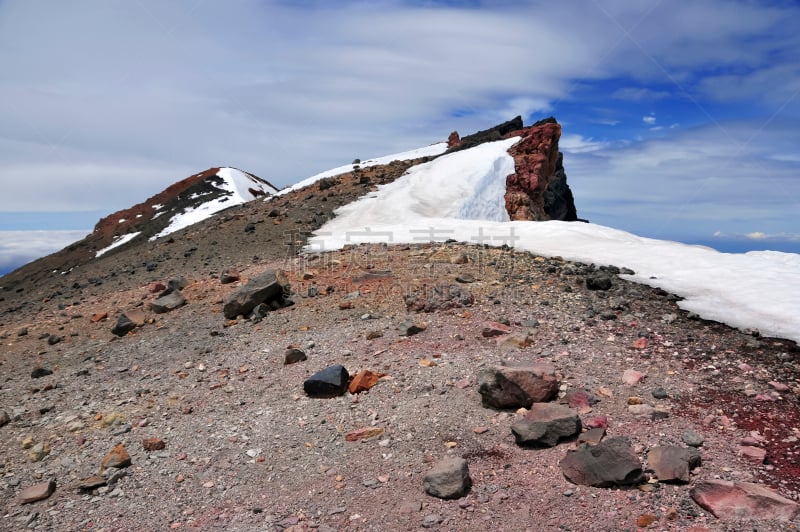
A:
[37,492]
[692,439]
[449,479]
[168,302]
[672,463]
[611,462]
[742,500]
[493,328]
[90,483]
[592,436]
[631,377]
[754,454]
[363,433]
[329,382]
[364,380]
[545,424]
[506,387]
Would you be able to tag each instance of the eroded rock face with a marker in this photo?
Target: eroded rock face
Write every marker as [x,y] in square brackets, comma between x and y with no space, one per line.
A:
[538,189]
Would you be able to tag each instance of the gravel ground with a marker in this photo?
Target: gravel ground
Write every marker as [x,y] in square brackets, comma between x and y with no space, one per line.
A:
[246,449]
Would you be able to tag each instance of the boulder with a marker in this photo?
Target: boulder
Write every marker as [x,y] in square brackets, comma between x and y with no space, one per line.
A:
[517,387]
[265,287]
[599,281]
[611,462]
[672,463]
[329,382]
[742,500]
[449,479]
[168,302]
[545,424]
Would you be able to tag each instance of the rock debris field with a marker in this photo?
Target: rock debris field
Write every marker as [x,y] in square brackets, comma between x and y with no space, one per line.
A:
[441,386]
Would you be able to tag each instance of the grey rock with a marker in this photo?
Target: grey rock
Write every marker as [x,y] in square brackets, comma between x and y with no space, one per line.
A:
[611,462]
[168,302]
[40,372]
[672,463]
[449,479]
[292,356]
[545,424]
[517,387]
[123,326]
[692,439]
[5,419]
[599,281]
[329,382]
[265,287]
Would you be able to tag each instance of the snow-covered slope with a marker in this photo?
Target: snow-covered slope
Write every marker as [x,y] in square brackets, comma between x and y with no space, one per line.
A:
[427,151]
[237,187]
[460,196]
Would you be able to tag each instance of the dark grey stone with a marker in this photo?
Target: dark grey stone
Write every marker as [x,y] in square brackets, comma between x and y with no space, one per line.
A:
[611,462]
[264,288]
[545,425]
[449,479]
[329,382]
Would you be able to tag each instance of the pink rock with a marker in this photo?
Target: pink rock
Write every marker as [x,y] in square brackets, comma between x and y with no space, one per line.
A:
[597,422]
[754,454]
[631,377]
[778,386]
[742,500]
[493,328]
[37,492]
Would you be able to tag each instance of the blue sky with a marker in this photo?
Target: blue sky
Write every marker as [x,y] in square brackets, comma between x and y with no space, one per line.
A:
[680,118]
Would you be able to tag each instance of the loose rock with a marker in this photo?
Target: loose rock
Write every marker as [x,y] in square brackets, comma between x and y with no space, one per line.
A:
[742,500]
[545,424]
[264,288]
[117,457]
[517,387]
[37,492]
[672,463]
[168,302]
[329,382]
[449,479]
[609,463]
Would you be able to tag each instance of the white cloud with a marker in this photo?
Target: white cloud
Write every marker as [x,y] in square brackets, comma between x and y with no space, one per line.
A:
[20,247]
[649,119]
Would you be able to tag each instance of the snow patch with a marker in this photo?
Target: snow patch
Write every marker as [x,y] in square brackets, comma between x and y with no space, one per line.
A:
[120,240]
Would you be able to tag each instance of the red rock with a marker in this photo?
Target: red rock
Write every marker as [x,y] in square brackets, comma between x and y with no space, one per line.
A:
[153,444]
[156,286]
[37,492]
[536,161]
[453,140]
[136,316]
[597,422]
[99,316]
[363,433]
[641,343]
[493,328]
[117,457]
[742,500]
[344,305]
[364,380]
[645,520]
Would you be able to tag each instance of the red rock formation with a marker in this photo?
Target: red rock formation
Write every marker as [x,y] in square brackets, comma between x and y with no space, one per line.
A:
[453,140]
[536,159]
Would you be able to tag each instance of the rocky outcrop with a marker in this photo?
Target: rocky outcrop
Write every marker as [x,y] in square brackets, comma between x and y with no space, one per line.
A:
[538,189]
